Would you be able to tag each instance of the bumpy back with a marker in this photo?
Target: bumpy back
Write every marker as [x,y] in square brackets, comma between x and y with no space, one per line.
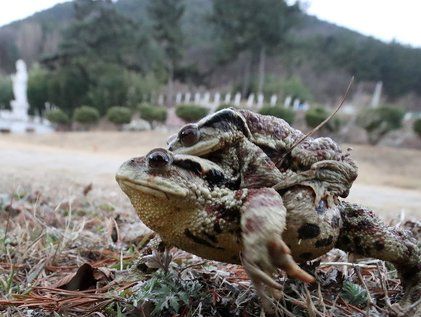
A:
[276,137]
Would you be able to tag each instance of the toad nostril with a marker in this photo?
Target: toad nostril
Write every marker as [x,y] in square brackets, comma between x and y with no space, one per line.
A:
[158,158]
[132,162]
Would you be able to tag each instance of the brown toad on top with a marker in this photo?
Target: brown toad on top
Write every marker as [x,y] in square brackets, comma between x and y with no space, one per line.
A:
[241,140]
[193,205]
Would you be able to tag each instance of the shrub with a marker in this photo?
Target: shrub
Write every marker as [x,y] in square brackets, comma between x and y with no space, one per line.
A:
[379,121]
[119,115]
[191,113]
[6,92]
[417,127]
[224,106]
[280,112]
[58,116]
[37,89]
[317,115]
[152,113]
[86,115]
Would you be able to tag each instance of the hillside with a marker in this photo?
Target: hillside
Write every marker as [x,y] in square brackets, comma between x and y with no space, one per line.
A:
[316,49]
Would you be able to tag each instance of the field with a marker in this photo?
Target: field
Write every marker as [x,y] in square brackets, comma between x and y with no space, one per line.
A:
[389,179]
[60,207]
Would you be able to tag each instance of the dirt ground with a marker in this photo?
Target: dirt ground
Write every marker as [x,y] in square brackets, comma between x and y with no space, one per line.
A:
[389,179]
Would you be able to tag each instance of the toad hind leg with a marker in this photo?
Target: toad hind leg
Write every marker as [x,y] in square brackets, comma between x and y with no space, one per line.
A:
[262,223]
[364,233]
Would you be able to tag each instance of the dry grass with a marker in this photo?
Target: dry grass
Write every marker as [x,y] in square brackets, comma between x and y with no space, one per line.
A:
[377,165]
[71,257]
[58,232]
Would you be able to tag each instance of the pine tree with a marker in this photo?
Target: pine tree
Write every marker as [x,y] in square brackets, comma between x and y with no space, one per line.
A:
[253,27]
[166,16]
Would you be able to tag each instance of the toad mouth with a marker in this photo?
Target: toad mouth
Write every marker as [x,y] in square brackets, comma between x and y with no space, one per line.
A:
[201,148]
[159,189]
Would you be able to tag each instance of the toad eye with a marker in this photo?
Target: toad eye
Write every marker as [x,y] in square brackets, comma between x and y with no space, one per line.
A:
[189,135]
[158,158]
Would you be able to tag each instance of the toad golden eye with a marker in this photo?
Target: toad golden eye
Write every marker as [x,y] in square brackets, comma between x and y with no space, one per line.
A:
[158,158]
[189,135]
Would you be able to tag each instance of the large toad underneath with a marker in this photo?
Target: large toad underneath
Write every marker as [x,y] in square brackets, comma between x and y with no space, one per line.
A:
[191,205]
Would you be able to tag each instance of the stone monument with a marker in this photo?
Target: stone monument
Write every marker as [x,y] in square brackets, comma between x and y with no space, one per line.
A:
[20,105]
[17,120]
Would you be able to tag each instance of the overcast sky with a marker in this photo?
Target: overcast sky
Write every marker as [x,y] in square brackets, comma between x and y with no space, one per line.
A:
[386,20]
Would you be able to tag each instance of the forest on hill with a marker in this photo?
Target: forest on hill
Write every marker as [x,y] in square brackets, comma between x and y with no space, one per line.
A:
[105,54]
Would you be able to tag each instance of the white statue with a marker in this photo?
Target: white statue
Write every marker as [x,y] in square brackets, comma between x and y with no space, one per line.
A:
[17,120]
[20,105]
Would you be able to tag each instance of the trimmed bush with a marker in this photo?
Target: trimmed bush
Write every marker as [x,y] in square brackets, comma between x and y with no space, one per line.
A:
[280,112]
[86,115]
[153,113]
[379,121]
[119,115]
[58,116]
[191,113]
[224,106]
[317,115]
[417,127]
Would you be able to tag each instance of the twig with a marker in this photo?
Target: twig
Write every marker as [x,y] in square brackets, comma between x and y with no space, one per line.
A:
[190,266]
[360,277]
[354,265]
[310,133]
[311,309]
[321,300]
[383,285]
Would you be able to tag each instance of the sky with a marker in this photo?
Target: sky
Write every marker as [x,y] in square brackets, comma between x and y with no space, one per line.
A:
[384,19]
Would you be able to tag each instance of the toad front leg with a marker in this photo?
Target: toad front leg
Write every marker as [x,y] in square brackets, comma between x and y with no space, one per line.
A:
[363,233]
[262,224]
[327,178]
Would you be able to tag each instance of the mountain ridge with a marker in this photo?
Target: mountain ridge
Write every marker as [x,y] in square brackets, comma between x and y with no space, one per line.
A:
[319,48]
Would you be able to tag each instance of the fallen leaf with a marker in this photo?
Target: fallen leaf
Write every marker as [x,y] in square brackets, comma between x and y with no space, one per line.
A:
[87,189]
[82,280]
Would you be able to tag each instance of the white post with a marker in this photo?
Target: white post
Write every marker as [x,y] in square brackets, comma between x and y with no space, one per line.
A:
[161,100]
[287,102]
[206,99]
[260,100]
[237,99]
[250,101]
[178,98]
[217,99]
[187,98]
[377,94]
[296,104]
[215,102]
[273,100]
[197,98]
[227,99]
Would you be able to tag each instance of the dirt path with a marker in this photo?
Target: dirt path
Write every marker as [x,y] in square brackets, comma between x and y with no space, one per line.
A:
[67,161]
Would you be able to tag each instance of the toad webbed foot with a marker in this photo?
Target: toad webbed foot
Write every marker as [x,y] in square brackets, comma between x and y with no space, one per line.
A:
[262,223]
